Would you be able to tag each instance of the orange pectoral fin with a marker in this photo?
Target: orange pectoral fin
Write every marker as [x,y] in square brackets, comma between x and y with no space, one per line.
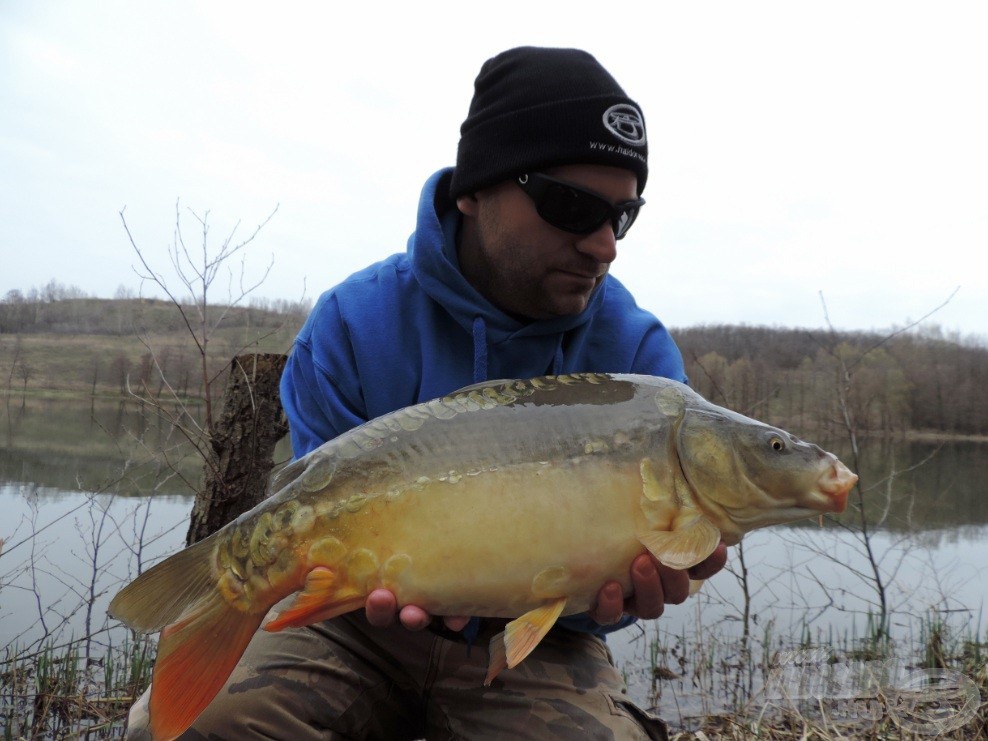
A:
[195,657]
[320,599]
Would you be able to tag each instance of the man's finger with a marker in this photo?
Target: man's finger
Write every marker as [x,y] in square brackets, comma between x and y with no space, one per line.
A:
[610,604]
[711,564]
[649,598]
[456,622]
[675,585]
[380,608]
[414,618]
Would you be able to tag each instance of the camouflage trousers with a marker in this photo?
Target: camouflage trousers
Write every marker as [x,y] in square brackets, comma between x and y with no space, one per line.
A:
[345,679]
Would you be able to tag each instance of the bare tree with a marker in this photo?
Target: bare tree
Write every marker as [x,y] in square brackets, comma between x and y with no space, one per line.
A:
[25,371]
[243,444]
[848,365]
[197,271]
[15,360]
[237,448]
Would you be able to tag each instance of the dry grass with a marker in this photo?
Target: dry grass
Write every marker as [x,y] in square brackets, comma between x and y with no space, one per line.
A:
[69,364]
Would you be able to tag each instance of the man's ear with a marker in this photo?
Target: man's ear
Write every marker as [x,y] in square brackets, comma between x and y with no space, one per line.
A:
[467,205]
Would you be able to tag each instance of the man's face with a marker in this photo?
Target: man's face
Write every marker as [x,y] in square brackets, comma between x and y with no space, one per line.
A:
[527,267]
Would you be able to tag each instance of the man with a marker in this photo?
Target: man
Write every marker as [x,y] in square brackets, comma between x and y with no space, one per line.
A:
[506,276]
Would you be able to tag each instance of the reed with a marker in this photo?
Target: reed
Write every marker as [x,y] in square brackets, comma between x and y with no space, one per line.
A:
[54,692]
[734,675]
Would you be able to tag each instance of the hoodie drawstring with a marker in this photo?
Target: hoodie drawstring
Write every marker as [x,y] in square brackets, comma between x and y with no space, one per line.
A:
[557,360]
[479,350]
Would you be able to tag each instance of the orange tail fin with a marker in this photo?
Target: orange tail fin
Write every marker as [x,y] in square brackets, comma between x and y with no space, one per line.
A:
[202,634]
[195,657]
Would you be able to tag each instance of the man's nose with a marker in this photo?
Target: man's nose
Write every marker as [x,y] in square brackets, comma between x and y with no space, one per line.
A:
[600,245]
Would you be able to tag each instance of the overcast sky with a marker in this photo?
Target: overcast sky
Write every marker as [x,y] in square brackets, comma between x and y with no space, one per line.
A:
[795,148]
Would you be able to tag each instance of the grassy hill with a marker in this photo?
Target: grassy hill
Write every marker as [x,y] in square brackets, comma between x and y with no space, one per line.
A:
[98,346]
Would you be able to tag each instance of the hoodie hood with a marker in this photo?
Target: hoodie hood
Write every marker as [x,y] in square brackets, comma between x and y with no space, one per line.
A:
[432,250]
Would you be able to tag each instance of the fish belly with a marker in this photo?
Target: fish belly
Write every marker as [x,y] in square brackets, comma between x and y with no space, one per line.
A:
[499,542]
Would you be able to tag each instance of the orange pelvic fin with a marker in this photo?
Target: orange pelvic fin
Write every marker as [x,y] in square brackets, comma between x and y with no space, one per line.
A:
[498,661]
[521,636]
[196,655]
[320,599]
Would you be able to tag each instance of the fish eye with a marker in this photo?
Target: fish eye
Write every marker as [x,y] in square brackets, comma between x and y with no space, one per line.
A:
[777,443]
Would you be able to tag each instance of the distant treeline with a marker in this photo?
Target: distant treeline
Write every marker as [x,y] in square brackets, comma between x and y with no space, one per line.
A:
[56,339]
[889,383]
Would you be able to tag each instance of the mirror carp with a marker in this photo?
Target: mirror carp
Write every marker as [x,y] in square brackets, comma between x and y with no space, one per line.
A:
[515,499]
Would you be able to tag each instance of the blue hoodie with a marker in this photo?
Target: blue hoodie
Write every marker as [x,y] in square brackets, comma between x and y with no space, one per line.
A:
[411,328]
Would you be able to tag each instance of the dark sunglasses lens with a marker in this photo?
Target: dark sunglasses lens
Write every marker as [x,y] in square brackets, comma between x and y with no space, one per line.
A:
[573,210]
[623,222]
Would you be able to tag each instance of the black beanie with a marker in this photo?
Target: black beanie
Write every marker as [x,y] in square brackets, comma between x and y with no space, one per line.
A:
[535,108]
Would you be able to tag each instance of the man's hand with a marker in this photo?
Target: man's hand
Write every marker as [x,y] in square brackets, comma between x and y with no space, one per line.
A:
[382,608]
[654,586]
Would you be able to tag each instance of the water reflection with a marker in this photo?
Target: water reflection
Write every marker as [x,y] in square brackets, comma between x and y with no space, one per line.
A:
[120,447]
[65,553]
[908,486]
[914,486]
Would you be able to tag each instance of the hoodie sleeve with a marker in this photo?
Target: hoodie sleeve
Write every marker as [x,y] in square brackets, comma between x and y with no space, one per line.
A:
[320,403]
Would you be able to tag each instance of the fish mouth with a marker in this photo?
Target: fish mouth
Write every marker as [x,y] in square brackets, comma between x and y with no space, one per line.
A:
[834,485]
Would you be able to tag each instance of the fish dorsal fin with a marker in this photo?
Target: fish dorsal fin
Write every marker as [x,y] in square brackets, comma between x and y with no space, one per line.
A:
[522,635]
[285,475]
[690,541]
[483,385]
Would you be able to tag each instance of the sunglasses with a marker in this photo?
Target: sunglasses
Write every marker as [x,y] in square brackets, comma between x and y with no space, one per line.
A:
[576,210]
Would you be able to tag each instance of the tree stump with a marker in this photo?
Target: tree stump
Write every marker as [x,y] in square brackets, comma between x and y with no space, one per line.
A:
[242,454]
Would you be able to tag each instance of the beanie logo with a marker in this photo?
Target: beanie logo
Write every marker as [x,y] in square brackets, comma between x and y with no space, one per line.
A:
[625,122]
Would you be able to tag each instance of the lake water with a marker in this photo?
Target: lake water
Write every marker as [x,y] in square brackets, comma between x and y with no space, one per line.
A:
[76,524]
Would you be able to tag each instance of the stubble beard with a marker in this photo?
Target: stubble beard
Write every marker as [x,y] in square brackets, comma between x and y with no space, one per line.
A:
[502,278]
[509,278]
